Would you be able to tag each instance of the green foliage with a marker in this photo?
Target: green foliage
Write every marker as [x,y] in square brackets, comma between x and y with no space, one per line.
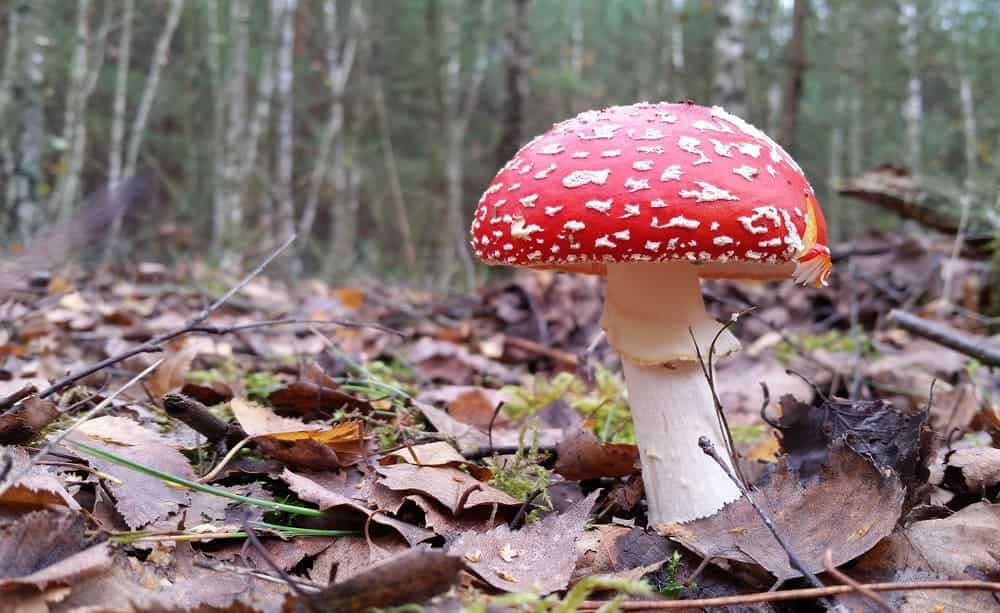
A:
[747,434]
[603,404]
[671,587]
[260,384]
[831,340]
[567,604]
[523,473]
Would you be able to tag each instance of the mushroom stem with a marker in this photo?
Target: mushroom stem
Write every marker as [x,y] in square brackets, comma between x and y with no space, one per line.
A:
[650,313]
[671,407]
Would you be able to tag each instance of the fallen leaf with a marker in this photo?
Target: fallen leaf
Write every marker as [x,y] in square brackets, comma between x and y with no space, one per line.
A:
[209,394]
[546,551]
[962,546]
[257,420]
[348,556]
[39,488]
[141,499]
[23,423]
[44,549]
[465,436]
[454,489]
[580,456]
[438,453]
[974,471]
[336,447]
[172,373]
[811,516]
[306,398]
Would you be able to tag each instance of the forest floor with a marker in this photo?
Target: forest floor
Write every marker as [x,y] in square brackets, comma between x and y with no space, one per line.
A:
[315,448]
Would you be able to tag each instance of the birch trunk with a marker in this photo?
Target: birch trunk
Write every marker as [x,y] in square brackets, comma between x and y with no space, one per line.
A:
[62,198]
[516,61]
[457,113]
[729,87]
[576,48]
[677,49]
[27,157]
[969,135]
[10,64]
[395,189]
[219,131]
[137,133]
[229,211]
[795,58]
[285,146]
[339,63]
[913,113]
[118,110]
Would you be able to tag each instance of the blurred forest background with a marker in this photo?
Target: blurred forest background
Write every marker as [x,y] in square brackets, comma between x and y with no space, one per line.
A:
[371,127]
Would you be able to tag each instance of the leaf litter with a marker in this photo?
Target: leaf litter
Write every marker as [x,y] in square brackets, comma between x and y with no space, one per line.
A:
[486,449]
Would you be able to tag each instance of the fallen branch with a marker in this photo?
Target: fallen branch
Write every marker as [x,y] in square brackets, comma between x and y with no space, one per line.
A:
[785,595]
[942,334]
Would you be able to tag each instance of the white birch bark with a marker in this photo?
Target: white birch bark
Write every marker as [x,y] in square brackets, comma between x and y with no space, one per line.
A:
[339,62]
[118,109]
[677,49]
[229,211]
[6,79]
[576,48]
[457,113]
[219,131]
[62,198]
[729,82]
[137,133]
[23,187]
[912,110]
[285,146]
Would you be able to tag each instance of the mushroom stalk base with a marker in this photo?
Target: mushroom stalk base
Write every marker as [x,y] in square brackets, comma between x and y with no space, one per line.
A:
[672,407]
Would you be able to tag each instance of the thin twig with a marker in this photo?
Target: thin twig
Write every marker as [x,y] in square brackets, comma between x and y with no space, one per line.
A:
[942,334]
[82,419]
[868,593]
[212,474]
[221,567]
[304,597]
[785,595]
[709,449]
[155,345]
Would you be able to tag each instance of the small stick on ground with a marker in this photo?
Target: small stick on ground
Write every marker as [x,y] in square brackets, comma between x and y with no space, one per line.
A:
[83,418]
[156,344]
[871,595]
[709,449]
[974,347]
[305,598]
[786,595]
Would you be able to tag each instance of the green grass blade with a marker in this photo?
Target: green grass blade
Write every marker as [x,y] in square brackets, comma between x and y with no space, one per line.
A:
[199,487]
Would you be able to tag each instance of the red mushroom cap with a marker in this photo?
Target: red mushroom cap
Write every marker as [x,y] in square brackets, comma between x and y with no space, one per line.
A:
[654,182]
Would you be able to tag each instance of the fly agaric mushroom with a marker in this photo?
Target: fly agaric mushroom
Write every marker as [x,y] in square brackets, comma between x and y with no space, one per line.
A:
[654,197]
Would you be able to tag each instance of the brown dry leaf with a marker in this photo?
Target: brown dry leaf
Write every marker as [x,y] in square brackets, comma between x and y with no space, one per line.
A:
[438,453]
[257,420]
[453,363]
[453,488]
[473,407]
[974,471]
[349,555]
[739,380]
[306,398]
[209,394]
[411,576]
[38,488]
[172,373]
[465,436]
[443,523]
[23,424]
[44,549]
[581,456]
[311,491]
[962,546]
[546,551]
[811,516]
[337,447]
[140,498]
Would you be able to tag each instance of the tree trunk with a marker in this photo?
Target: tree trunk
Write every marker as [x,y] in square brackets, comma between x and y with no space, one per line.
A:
[913,113]
[516,60]
[7,77]
[229,211]
[457,112]
[27,154]
[402,215]
[729,88]
[339,62]
[795,58]
[73,118]
[285,148]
